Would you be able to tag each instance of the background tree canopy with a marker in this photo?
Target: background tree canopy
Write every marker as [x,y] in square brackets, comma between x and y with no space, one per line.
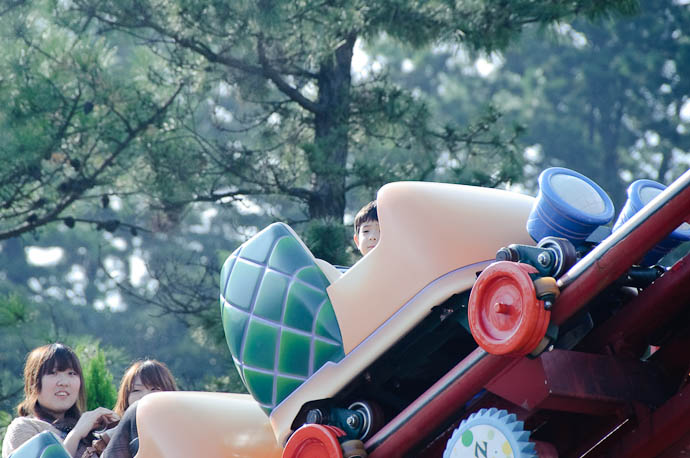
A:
[145,140]
[190,103]
[606,98]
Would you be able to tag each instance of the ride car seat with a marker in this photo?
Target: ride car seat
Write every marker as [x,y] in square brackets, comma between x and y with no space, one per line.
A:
[43,445]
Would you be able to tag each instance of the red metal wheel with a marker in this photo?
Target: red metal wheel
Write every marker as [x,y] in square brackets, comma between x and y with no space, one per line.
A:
[314,441]
[505,316]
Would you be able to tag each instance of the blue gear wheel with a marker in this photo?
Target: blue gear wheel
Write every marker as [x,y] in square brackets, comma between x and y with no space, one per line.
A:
[490,433]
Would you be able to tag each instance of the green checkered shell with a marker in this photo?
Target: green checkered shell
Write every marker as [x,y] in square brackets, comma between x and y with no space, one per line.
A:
[279,322]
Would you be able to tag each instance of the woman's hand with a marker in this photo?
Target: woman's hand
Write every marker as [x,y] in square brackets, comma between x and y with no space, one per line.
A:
[98,418]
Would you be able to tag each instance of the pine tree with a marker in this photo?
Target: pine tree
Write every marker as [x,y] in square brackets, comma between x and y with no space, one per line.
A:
[216,101]
[100,390]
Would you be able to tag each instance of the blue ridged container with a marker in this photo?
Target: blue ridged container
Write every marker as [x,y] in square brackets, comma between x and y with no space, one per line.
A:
[568,205]
[640,193]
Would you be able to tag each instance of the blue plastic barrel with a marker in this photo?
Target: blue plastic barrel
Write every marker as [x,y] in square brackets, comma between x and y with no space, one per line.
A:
[568,205]
[640,193]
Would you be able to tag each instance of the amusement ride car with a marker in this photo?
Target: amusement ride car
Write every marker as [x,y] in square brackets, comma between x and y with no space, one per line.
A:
[485,323]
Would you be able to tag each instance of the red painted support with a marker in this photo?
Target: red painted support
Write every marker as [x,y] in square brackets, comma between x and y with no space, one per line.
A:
[613,256]
[656,305]
[658,431]
[569,381]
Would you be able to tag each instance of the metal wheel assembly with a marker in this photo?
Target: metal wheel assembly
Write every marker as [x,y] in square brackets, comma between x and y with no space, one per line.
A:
[563,251]
[372,416]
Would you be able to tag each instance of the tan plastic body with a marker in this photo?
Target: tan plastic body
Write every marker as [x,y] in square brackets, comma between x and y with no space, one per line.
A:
[195,424]
[427,230]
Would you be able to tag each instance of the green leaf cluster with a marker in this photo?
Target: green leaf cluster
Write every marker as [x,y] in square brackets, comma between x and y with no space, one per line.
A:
[100,389]
[329,240]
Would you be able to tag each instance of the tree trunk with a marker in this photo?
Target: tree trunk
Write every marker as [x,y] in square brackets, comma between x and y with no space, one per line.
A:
[328,158]
[13,251]
[609,130]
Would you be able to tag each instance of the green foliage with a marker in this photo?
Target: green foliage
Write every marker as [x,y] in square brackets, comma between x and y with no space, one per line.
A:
[602,97]
[329,240]
[177,103]
[13,310]
[100,390]
[490,25]
[61,118]
[5,420]
[606,97]
[226,384]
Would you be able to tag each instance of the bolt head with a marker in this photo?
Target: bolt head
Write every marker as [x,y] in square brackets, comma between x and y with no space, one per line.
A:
[352,421]
[544,259]
[315,416]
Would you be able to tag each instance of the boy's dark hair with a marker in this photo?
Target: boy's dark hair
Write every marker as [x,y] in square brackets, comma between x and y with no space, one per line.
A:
[367,213]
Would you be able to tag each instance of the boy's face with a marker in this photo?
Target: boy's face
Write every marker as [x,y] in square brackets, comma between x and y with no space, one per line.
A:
[367,237]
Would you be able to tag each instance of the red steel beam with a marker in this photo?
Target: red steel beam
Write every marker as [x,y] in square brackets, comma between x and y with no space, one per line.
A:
[658,431]
[656,305]
[614,255]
